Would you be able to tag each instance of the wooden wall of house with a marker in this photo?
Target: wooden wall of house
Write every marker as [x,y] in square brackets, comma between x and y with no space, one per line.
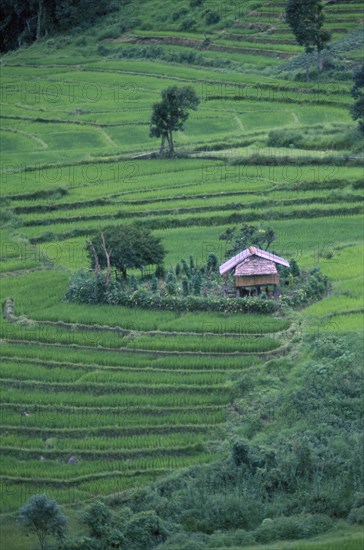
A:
[254,280]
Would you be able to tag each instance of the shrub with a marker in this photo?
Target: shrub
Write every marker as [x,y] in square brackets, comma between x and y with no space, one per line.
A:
[293,527]
[225,539]
[179,13]
[145,531]
[171,283]
[160,271]
[212,17]
[188,24]
[284,138]
[196,283]
[185,268]
[111,32]
[185,286]
[212,262]
[240,453]
[103,50]
[356,515]
[97,517]
[134,283]
[154,285]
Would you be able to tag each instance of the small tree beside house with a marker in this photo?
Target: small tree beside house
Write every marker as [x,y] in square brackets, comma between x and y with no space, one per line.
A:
[122,248]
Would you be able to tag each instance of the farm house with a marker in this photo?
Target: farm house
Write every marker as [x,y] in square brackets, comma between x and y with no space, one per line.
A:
[254,271]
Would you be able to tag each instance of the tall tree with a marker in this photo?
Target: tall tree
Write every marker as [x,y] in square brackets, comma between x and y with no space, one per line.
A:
[357,109]
[42,517]
[306,19]
[124,247]
[170,114]
[247,235]
[23,21]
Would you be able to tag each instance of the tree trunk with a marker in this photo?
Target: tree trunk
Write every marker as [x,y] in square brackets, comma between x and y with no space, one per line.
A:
[308,68]
[39,18]
[97,263]
[171,144]
[42,541]
[320,61]
[107,254]
[161,150]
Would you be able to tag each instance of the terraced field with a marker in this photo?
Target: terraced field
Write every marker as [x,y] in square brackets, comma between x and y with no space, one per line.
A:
[133,395]
[130,405]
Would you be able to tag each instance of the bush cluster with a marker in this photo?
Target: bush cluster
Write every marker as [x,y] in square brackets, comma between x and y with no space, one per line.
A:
[189,288]
[153,51]
[88,288]
[312,286]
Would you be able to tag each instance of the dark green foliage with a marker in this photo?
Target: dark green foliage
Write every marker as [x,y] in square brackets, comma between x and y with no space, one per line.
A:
[24,21]
[306,19]
[284,138]
[134,283]
[186,286]
[170,114]
[105,530]
[171,285]
[240,453]
[145,531]
[212,17]
[356,515]
[129,246]
[304,289]
[212,263]
[357,110]
[295,270]
[188,24]
[97,517]
[160,271]
[179,13]
[196,3]
[248,235]
[42,517]
[153,51]
[294,527]
[87,288]
[196,283]
[185,268]
[154,285]
[298,289]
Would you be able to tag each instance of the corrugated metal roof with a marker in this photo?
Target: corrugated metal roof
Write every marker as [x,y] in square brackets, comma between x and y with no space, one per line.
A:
[252,250]
[254,265]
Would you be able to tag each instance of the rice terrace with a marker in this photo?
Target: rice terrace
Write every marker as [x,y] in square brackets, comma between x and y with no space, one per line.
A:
[182,275]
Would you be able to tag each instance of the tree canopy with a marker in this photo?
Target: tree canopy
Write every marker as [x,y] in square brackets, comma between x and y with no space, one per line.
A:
[23,21]
[170,114]
[357,109]
[42,517]
[124,247]
[306,19]
[247,235]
